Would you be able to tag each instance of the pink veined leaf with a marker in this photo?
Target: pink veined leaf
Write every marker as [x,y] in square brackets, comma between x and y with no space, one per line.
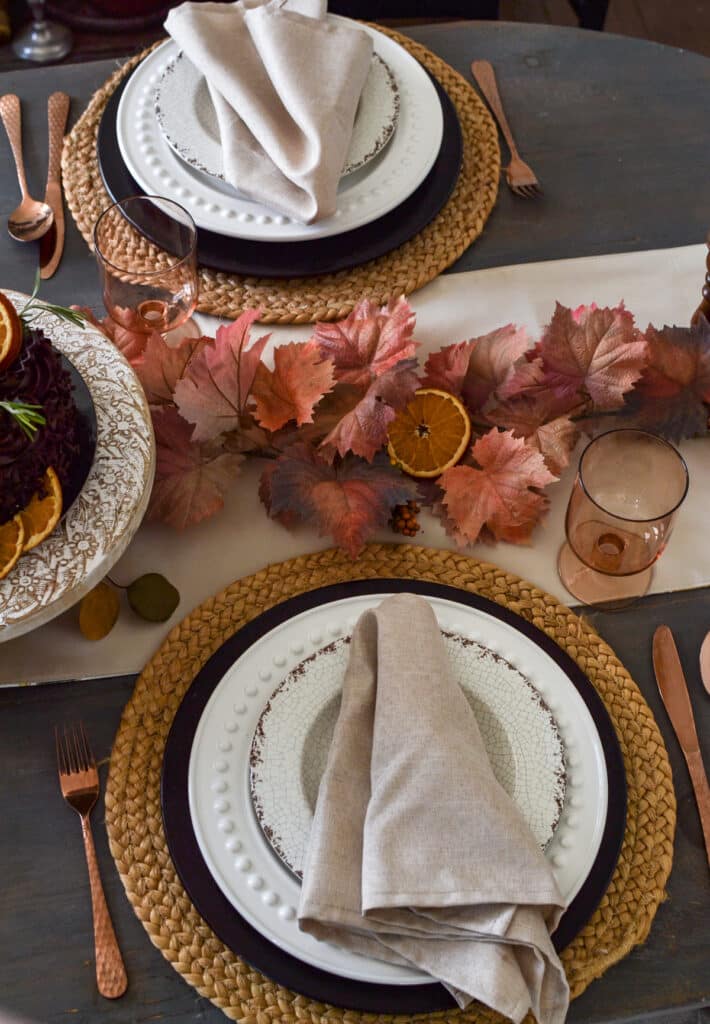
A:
[300,378]
[214,390]
[556,441]
[348,501]
[497,495]
[363,430]
[491,362]
[446,369]
[161,366]
[601,355]
[369,341]
[191,478]
[581,311]
[672,396]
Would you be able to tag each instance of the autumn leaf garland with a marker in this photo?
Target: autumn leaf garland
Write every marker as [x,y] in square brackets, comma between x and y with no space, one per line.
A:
[321,413]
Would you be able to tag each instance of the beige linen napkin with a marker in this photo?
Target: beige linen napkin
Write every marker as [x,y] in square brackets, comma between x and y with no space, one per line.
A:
[285,82]
[417,855]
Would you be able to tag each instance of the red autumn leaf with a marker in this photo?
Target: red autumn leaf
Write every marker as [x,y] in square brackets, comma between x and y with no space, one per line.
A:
[446,368]
[600,354]
[369,341]
[214,390]
[498,495]
[161,366]
[363,430]
[191,478]
[348,501]
[491,362]
[297,383]
[670,397]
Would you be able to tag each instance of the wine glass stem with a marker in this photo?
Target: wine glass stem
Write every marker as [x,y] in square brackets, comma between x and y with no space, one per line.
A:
[37,9]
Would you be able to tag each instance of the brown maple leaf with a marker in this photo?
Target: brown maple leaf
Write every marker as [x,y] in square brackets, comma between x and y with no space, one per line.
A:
[214,389]
[191,478]
[161,366]
[599,354]
[544,422]
[446,369]
[491,362]
[672,396]
[298,381]
[363,429]
[369,341]
[497,495]
[349,501]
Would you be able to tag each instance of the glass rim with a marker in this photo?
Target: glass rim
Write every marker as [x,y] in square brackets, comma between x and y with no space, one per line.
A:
[118,205]
[642,433]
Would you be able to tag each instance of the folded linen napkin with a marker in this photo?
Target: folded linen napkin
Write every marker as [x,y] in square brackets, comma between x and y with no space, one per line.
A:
[417,855]
[285,82]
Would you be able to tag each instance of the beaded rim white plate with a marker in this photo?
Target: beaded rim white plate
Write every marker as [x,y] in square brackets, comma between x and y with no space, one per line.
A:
[109,508]
[232,844]
[364,195]
[195,137]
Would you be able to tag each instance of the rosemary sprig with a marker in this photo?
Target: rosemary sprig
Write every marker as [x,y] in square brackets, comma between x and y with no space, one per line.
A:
[34,307]
[29,418]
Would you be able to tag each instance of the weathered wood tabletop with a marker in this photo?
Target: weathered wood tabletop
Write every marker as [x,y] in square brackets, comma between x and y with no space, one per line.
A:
[618,132]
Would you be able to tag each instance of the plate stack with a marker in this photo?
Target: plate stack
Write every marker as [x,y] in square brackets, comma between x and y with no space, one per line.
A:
[248,746]
[158,136]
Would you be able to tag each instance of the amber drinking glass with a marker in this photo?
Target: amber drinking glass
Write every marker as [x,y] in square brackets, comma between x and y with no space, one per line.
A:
[146,249]
[629,487]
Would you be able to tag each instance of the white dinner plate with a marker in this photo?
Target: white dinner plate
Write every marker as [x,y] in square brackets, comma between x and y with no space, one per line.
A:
[188,120]
[364,195]
[293,735]
[96,530]
[238,856]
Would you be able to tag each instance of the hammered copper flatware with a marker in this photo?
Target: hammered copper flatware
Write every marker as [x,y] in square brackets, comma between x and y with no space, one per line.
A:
[705,662]
[31,219]
[52,244]
[520,177]
[79,781]
[674,694]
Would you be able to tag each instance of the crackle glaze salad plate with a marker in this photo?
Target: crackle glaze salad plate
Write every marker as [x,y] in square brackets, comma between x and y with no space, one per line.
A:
[111,502]
[249,743]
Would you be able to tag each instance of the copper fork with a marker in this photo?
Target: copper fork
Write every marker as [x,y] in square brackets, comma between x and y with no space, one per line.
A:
[520,177]
[79,782]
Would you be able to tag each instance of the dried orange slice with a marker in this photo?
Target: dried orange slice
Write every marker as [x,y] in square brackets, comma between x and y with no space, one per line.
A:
[10,332]
[430,434]
[12,535]
[42,513]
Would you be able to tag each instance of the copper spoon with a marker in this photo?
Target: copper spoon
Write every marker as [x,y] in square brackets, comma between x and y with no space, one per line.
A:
[705,662]
[31,219]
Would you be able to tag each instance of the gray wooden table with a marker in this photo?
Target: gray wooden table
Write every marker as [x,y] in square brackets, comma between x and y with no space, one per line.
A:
[619,133]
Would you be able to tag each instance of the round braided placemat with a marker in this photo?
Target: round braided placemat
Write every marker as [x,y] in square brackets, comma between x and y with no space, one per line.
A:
[133,814]
[328,296]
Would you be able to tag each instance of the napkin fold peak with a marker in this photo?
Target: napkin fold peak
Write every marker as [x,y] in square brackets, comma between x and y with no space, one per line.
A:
[417,855]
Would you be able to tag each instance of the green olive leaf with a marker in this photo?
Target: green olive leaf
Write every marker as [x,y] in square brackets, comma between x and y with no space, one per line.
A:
[98,611]
[152,597]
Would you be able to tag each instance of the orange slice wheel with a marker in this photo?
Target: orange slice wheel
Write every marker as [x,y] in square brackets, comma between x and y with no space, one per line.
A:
[12,535]
[10,332]
[42,514]
[430,434]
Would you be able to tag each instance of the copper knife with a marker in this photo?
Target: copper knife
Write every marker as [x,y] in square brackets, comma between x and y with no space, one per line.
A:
[674,694]
[52,244]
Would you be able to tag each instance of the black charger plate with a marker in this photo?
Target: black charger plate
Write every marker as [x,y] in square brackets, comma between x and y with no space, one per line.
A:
[321,255]
[247,941]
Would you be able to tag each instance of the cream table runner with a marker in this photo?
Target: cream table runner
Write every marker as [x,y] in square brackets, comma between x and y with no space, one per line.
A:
[660,286]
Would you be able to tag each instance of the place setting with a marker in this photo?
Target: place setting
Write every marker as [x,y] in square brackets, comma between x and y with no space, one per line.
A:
[330,509]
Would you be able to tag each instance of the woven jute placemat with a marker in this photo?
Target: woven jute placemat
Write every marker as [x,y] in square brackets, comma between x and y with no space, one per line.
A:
[133,814]
[328,296]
